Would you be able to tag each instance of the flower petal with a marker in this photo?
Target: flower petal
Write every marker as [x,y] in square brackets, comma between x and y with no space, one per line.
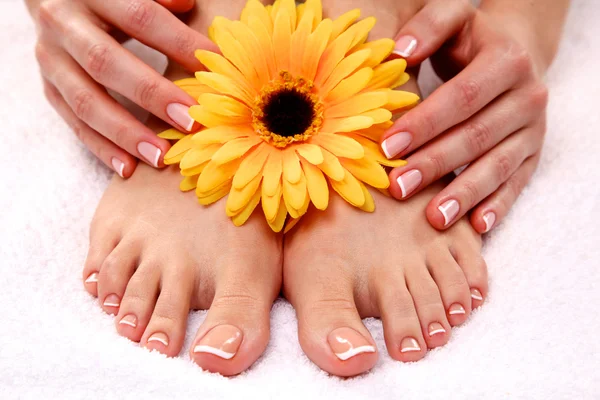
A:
[373,151]
[214,196]
[241,218]
[264,40]
[255,9]
[239,198]
[235,149]
[379,115]
[248,40]
[345,68]
[292,172]
[342,23]
[400,100]
[210,119]
[316,8]
[312,153]
[349,124]
[339,145]
[198,155]
[171,134]
[192,87]
[384,75]
[225,85]
[270,204]
[368,171]
[251,166]
[298,42]
[357,104]
[188,183]
[277,224]
[282,39]
[221,134]
[194,170]
[369,205]
[315,46]
[331,166]
[349,189]
[295,193]
[224,105]
[215,175]
[350,86]
[316,185]
[272,173]
[380,50]
[178,150]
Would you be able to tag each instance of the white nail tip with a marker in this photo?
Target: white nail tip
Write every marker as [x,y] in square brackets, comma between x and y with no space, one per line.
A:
[402,187]
[93,278]
[476,297]
[444,208]
[124,322]
[355,351]
[407,349]
[211,350]
[455,312]
[385,149]
[157,339]
[109,304]
[437,331]
[118,166]
[489,220]
[409,49]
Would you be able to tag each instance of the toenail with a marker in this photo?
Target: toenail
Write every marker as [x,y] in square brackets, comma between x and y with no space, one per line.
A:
[112,300]
[435,328]
[129,319]
[347,343]
[476,294]
[456,309]
[93,278]
[222,341]
[409,344]
[159,337]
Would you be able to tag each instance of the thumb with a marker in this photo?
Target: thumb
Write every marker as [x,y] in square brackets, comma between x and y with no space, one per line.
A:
[177,6]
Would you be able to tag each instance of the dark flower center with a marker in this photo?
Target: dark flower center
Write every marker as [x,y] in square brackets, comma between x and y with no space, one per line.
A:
[288,112]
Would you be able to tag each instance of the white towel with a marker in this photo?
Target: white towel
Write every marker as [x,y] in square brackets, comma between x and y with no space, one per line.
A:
[537,336]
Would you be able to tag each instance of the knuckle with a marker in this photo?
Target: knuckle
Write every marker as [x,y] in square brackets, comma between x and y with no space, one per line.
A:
[539,97]
[520,59]
[515,186]
[47,12]
[139,15]
[479,136]
[82,104]
[434,23]
[120,134]
[146,91]
[437,165]
[471,193]
[184,44]
[77,128]
[99,61]
[41,54]
[469,93]
[504,166]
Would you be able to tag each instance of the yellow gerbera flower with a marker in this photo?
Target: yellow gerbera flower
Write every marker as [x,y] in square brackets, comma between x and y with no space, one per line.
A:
[294,103]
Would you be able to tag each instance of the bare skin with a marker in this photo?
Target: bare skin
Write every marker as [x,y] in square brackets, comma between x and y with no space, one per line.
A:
[157,254]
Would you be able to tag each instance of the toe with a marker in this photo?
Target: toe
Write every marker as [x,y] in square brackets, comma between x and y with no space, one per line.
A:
[101,245]
[401,326]
[429,306]
[452,284]
[115,272]
[475,269]
[166,330]
[138,302]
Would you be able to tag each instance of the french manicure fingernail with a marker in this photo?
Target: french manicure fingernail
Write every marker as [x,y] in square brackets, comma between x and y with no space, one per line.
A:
[179,113]
[130,320]
[409,181]
[112,300]
[159,337]
[93,278]
[456,309]
[395,144]
[150,152]
[222,341]
[489,219]
[435,328]
[405,46]
[347,343]
[409,344]
[118,166]
[476,294]
[449,210]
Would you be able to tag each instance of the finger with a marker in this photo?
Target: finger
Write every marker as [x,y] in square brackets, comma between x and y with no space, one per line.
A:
[430,28]
[177,6]
[91,104]
[157,27]
[110,154]
[467,141]
[482,178]
[484,79]
[492,210]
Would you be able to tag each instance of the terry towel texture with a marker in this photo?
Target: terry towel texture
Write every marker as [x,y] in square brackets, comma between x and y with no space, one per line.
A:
[535,338]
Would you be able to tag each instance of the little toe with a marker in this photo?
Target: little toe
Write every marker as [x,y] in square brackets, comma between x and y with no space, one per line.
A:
[138,302]
[115,272]
[475,269]
[452,284]
[166,330]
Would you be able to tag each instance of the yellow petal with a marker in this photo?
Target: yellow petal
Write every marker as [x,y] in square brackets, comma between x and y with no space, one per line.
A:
[291,224]
[221,134]
[339,145]
[239,56]
[349,124]
[401,81]
[215,196]
[171,134]
[235,149]
[357,104]
[272,173]
[198,155]
[331,166]
[316,185]
[299,39]
[241,218]
[373,151]
[224,105]
[270,204]
[255,9]
[380,50]
[178,150]
[399,100]
[264,40]
[211,119]
[345,68]
[295,193]
[315,46]
[375,132]
[384,75]
[368,171]
[292,172]
[360,31]
[251,166]
[215,175]
[369,205]
[316,8]
[343,22]
[194,170]
[312,153]
[192,87]
[239,198]
[225,184]
[225,85]
[282,38]
[379,115]
[248,40]
[277,224]
[349,189]
[350,86]
[289,7]
[188,183]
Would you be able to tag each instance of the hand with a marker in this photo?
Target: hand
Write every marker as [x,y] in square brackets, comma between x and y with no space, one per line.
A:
[490,115]
[79,60]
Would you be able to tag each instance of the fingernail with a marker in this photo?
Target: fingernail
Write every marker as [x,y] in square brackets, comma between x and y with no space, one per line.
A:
[435,328]
[150,152]
[476,294]
[118,166]
[93,278]
[449,210]
[347,343]
[456,309]
[409,344]
[405,46]
[129,319]
[489,219]
[409,181]
[112,300]
[159,337]
[179,113]
[222,341]
[395,144]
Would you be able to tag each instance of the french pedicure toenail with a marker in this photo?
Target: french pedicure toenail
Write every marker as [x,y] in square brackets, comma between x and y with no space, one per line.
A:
[159,337]
[409,344]
[180,114]
[449,210]
[476,295]
[118,166]
[405,46]
[409,181]
[112,300]
[395,144]
[130,320]
[93,278]
[150,152]
[435,328]
[456,309]
[347,343]
[222,341]
[489,219]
